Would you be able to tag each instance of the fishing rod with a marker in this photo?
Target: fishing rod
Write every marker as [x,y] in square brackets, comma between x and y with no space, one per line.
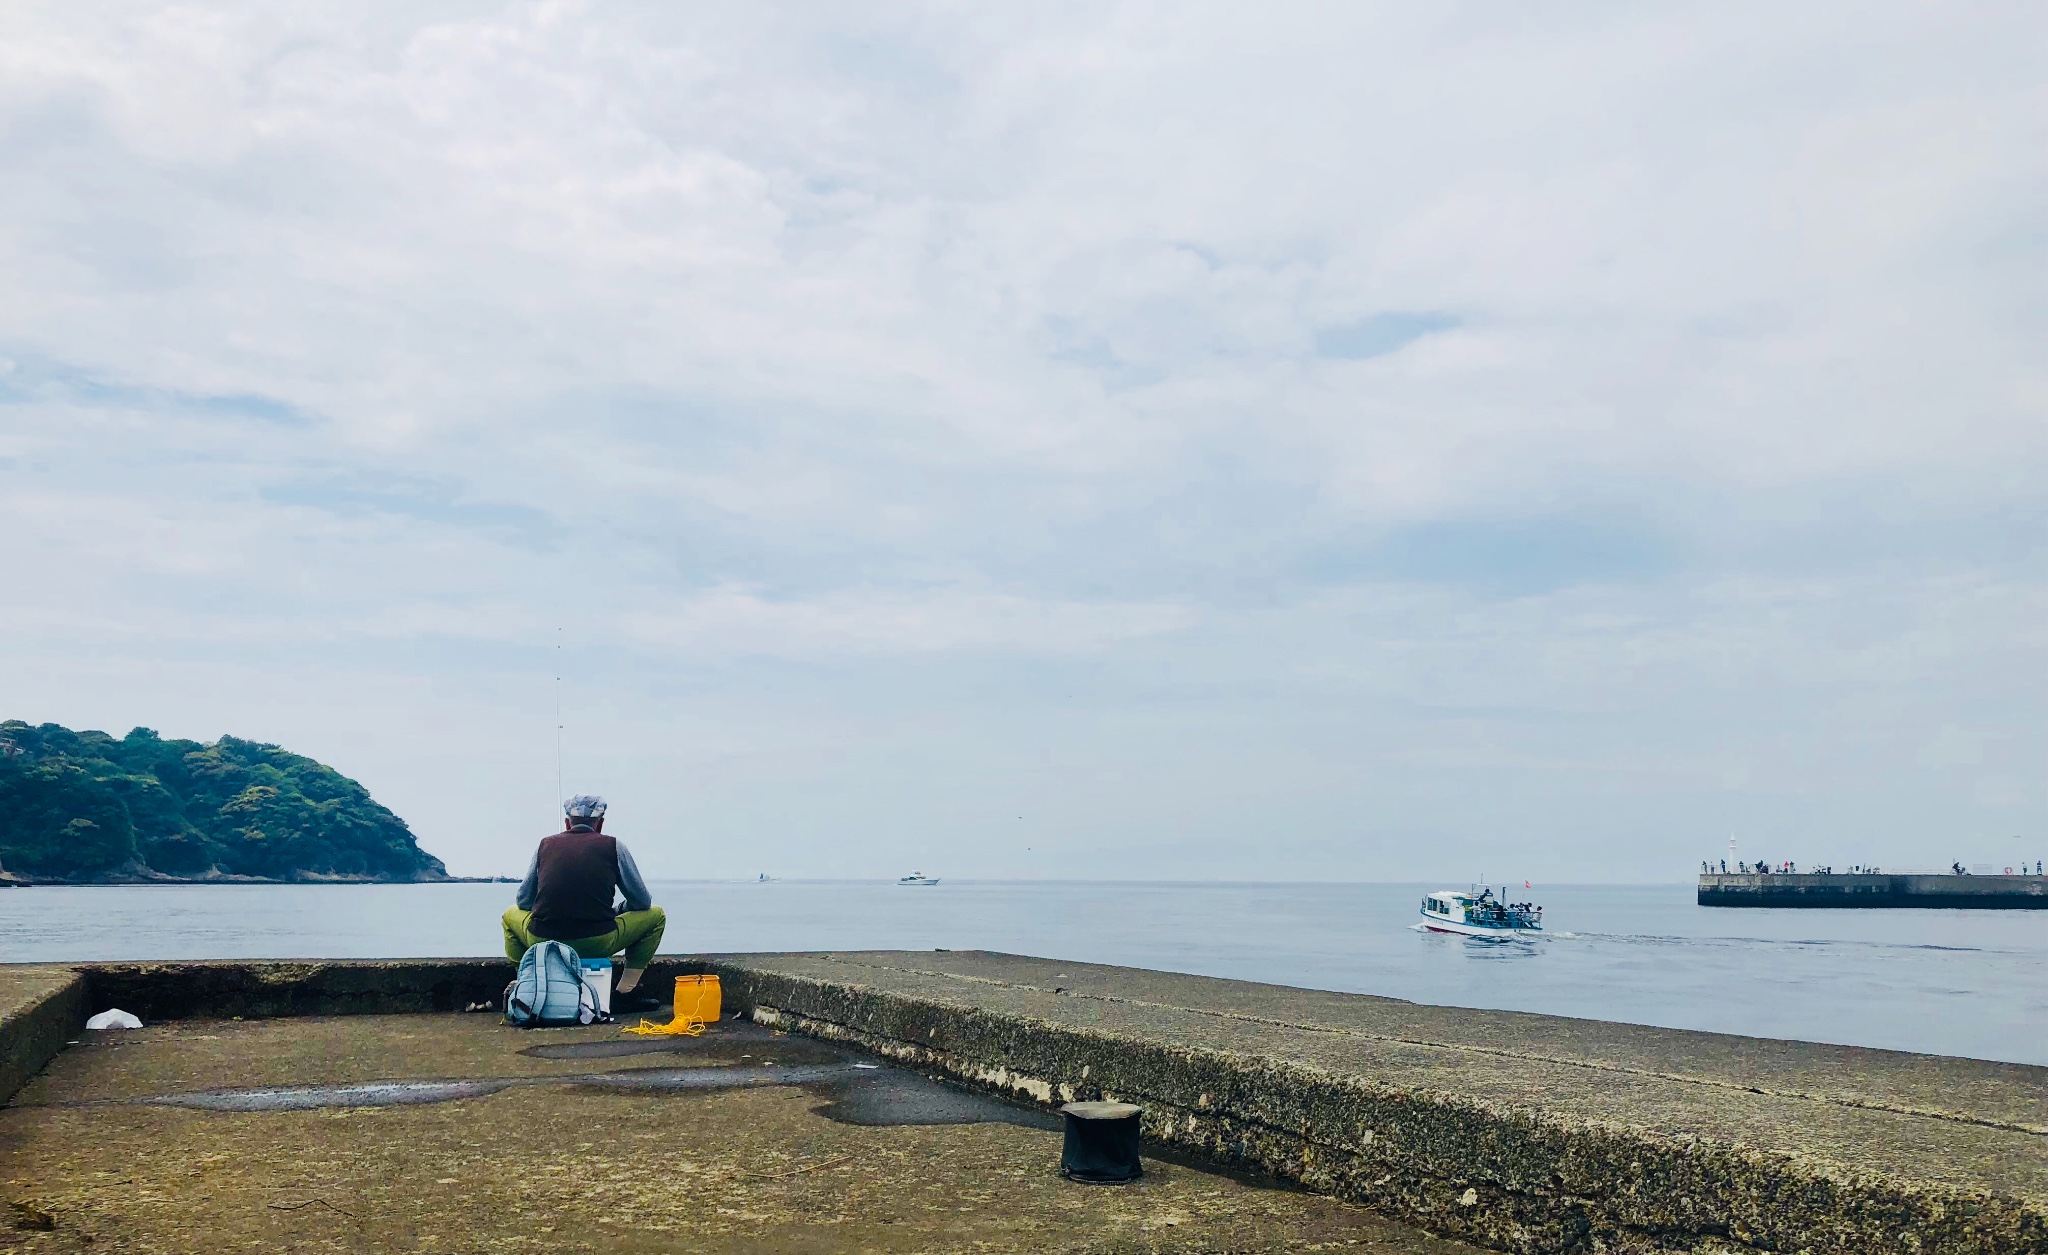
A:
[559,794]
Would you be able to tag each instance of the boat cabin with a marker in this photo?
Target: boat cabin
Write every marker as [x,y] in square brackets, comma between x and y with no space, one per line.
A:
[1447,904]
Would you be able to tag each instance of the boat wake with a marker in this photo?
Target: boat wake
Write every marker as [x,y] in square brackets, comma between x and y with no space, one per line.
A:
[1774,943]
[1504,937]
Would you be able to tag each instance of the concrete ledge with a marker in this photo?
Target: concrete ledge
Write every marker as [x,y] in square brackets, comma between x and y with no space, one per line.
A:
[267,990]
[1465,1135]
[1874,889]
[1525,1133]
[41,1008]
[273,988]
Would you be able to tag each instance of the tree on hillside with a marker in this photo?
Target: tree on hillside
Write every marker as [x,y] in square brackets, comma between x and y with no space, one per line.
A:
[85,806]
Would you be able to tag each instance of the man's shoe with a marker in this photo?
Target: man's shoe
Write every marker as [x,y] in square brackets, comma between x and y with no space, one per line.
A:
[635,1002]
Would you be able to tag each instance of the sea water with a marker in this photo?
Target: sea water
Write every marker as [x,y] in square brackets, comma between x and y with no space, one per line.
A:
[1938,981]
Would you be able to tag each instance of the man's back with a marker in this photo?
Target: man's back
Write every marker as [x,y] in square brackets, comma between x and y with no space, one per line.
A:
[575,875]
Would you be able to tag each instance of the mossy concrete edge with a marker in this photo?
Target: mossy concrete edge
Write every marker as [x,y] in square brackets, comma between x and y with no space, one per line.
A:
[35,1024]
[271,988]
[1516,1178]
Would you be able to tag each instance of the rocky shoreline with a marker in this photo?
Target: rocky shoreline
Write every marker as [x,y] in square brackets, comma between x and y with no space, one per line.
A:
[10,880]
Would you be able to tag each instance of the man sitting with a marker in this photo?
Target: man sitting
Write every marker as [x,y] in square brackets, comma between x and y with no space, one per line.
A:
[567,897]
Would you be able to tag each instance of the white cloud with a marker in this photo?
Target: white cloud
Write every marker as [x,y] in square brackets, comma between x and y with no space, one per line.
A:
[1653,385]
[736,621]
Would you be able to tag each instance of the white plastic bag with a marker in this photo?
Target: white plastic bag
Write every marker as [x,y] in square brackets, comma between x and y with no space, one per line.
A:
[116,1018]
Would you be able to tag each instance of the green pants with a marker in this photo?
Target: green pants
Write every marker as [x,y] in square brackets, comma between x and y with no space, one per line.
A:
[638,934]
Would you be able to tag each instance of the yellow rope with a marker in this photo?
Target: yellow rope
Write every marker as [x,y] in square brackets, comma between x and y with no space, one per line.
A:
[681,1026]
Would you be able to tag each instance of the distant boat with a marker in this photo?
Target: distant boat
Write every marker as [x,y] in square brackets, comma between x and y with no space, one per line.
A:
[918,878]
[1478,915]
[764,879]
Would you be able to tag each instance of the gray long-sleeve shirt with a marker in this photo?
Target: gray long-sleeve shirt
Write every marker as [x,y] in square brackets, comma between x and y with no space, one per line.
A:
[631,886]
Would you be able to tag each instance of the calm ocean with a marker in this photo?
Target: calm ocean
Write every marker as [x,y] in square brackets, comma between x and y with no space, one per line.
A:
[1943,982]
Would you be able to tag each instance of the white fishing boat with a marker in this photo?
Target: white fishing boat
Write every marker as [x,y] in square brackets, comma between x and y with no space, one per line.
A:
[918,878]
[1478,914]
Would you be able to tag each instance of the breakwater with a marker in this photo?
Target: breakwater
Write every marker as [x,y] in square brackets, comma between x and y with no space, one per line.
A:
[1875,889]
[1518,1132]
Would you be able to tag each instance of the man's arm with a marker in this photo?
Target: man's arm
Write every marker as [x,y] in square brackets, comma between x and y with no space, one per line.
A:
[630,884]
[529,886]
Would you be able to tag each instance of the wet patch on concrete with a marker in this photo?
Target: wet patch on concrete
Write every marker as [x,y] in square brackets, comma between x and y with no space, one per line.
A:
[313,1097]
[733,1042]
[849,1086]
[416,1093]
[887,1097]
[681,1080]
[856,1093]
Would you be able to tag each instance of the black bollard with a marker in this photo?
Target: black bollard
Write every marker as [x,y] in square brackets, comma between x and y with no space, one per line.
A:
[1102,1143]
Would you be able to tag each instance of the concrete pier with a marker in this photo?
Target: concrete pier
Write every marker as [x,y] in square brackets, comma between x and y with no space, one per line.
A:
[1514,1132]
[1834,889]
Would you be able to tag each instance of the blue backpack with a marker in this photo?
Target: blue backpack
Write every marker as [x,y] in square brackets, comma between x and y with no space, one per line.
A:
[549,990]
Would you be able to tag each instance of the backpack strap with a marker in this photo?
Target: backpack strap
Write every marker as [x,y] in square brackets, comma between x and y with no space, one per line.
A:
[519,1013]
[570,964]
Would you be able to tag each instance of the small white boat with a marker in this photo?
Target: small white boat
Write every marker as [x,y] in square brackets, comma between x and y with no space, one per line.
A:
[1479,914]
[918,878]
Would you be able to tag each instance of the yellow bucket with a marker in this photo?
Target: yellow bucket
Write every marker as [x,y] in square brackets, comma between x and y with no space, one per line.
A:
[698,998]
[698,1002]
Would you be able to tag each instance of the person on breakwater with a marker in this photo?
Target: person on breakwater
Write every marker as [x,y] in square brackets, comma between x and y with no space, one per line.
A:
[567,897]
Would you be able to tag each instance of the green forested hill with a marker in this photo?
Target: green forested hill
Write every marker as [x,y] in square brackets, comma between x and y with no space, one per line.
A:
[86,806]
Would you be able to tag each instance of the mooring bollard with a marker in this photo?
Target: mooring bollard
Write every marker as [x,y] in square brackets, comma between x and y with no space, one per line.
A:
[1102,1143]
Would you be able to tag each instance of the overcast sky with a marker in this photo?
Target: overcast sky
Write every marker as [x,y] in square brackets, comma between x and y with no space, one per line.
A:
[1350,441]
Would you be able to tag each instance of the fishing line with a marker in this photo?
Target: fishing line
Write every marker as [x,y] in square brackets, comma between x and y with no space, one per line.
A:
[559,795]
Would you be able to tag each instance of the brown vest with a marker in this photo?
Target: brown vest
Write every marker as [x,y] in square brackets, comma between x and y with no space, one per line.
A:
[578,871]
